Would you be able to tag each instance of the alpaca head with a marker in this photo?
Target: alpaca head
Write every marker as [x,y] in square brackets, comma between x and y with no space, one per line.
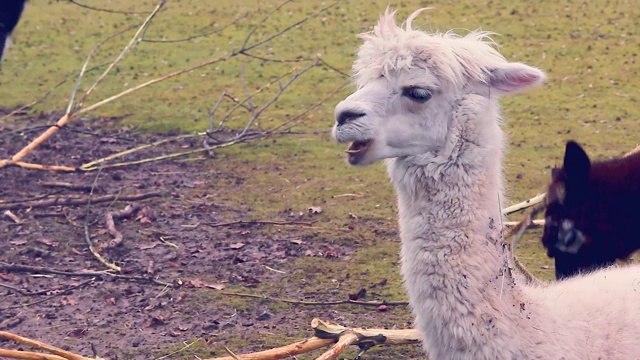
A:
[410,83]
[564,216]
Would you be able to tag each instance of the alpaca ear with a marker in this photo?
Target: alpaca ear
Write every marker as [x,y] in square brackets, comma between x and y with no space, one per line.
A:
[554,172]
[576,164]
[514,77]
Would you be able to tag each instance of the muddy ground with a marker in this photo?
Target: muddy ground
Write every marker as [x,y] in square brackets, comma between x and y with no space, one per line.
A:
[176,254]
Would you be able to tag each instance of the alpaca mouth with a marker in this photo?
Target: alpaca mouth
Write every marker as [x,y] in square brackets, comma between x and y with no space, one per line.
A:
[357,149]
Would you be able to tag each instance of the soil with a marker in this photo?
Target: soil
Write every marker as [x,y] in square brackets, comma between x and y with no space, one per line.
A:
[176,252]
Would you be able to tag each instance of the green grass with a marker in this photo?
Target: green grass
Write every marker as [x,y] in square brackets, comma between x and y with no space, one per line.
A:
[589,50]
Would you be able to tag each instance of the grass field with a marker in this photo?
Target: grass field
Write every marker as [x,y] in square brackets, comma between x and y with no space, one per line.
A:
[589,50]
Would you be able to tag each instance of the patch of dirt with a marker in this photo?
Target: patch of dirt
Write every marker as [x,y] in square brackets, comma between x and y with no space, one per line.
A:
[175,239]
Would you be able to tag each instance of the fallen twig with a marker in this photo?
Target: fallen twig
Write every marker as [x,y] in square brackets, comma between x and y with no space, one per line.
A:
[12,216]
[34,102]
[97,274]
[14,289]
[49,297]
[138,148]
[105,10]
[262,222]
[70,201]
[95,252]
[67,185]
[27,293]
[516,225]
[344,341]
[87,236]
[297,348]
[59,353]
[110,218]
[525,204]
[189,38]
[28,355]
[317,303]
[326,334]
[634,151]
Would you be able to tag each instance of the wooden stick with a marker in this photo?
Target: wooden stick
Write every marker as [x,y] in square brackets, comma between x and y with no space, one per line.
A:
[326,333]
[32,166]
[284,352]
[525,204]
[66,355]
[318,303]
[96,254]
[325,329]
[138,148]
[345,340]
[132,42]
[28,355]
[634,151]
[12,216]
[37,141]
[66,185]
[111,224]
[70,201]
[534,223]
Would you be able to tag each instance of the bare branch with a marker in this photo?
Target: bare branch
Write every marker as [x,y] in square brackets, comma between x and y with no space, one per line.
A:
[318,303]
[297,23]
[49,297]
[264,19]
[132,42]
[189,38]
[297,119]
[59,353]
[523,205]
[275,98]
[111,225]
[212,112]
[106,10]
[248,98]
[68,201]
[84,67]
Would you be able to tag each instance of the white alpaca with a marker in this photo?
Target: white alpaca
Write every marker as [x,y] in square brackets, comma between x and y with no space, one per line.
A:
[428,104]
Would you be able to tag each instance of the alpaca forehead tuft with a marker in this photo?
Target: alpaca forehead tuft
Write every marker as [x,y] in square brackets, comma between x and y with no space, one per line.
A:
[452,58]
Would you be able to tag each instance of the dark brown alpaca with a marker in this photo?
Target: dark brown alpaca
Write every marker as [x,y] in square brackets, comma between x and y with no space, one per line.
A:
[592,216]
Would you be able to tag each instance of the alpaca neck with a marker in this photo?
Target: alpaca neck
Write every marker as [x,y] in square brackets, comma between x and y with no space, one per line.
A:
[454,260]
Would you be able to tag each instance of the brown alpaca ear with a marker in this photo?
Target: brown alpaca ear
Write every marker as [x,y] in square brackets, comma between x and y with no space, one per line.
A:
[576,164]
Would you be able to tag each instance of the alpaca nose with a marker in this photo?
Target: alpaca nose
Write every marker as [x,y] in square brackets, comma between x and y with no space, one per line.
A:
[348,115]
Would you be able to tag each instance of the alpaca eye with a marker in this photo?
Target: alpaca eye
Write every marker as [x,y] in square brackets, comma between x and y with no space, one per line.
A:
[416,94]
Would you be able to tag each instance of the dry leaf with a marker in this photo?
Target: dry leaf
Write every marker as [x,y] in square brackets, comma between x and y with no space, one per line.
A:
[237,245]
[313,210]
[296,241]
[197,283]
[48,242]
[17,242]
[215,286]
[65,300]
[147,246]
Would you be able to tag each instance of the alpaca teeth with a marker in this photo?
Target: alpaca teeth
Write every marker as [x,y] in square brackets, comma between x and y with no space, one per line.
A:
[357,147]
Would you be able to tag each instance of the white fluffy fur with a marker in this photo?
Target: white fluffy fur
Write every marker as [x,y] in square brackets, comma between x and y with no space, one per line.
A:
[444,158]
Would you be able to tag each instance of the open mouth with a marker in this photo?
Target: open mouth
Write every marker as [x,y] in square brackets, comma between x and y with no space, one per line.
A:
[357,149]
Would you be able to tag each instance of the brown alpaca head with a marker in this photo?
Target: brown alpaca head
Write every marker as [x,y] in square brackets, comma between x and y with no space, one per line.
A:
[571,217]
[563,231]
[591,212]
